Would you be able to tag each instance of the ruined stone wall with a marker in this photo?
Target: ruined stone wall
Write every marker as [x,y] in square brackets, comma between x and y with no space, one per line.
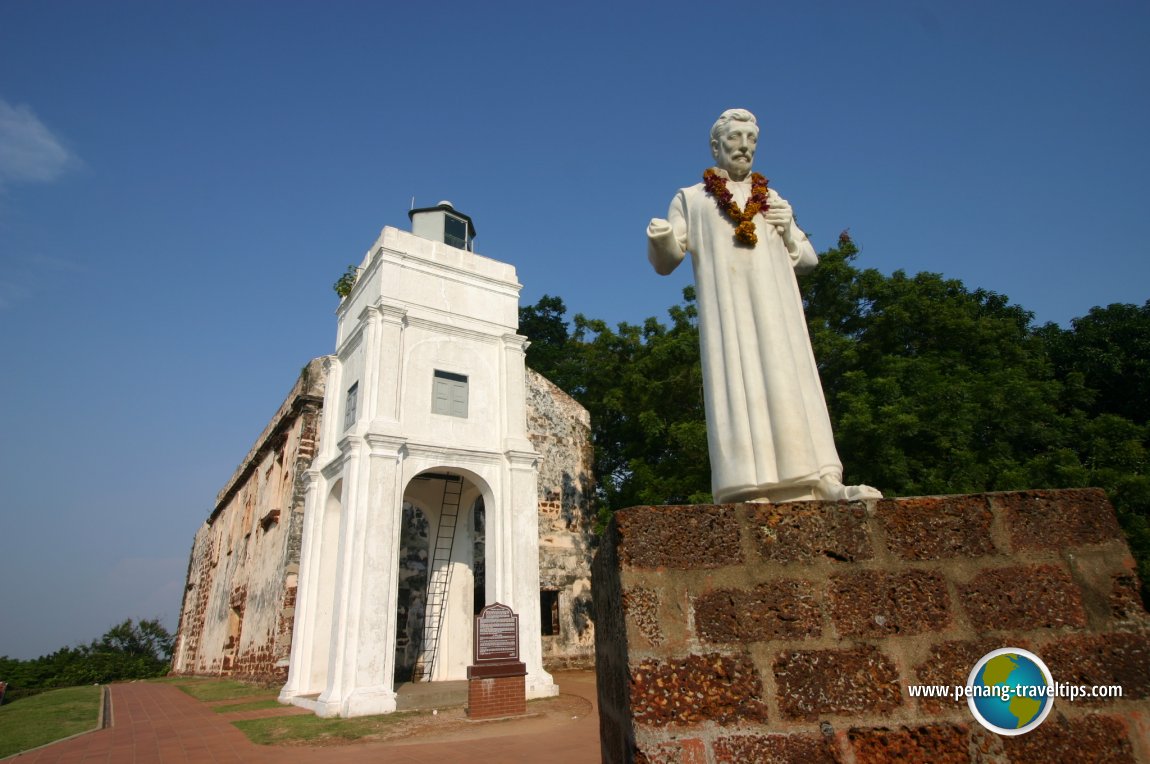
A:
[239,604]
[792,632]
[560,430]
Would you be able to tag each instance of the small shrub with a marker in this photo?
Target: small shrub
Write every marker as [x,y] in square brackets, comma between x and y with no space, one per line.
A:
[346,282]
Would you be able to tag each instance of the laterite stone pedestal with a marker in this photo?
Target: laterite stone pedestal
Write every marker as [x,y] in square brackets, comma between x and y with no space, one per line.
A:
[738,633]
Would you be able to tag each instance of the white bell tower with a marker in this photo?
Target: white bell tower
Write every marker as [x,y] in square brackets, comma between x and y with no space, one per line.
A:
[425,407]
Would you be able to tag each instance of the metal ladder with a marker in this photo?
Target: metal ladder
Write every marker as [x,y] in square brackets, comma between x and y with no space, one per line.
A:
[438,579]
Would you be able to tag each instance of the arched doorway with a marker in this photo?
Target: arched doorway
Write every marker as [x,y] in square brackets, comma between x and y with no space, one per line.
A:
[440,578]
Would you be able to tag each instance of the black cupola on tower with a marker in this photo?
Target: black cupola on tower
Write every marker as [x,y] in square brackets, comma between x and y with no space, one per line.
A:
[443,223]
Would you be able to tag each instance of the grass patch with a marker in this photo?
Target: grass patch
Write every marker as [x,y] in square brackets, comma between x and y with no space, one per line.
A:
[255,705]
[210,690]
[313,730]
[48,716]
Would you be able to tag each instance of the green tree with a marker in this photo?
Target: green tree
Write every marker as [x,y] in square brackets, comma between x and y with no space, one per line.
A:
[643,388]
[1108,350]
[146,639]
[545,326]
[1103,362]
[897,351]
[128,650]
[936,388]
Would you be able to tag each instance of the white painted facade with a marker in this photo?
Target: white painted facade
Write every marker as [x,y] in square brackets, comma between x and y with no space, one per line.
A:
[419,307]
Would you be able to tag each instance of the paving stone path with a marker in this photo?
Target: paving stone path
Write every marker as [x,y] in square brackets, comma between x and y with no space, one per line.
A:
[159,723]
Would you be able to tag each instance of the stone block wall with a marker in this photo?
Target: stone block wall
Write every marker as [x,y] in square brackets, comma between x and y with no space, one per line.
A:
[763,633]
[560,430]
[239,602]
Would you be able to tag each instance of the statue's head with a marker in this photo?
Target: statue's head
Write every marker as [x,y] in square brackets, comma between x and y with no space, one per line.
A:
[733,139]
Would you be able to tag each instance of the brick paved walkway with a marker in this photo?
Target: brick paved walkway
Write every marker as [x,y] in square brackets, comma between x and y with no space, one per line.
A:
[159,723]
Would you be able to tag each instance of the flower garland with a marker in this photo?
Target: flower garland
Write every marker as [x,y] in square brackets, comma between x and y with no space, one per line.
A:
[743,219]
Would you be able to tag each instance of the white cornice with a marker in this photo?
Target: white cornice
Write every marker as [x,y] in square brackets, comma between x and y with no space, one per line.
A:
[351,444]
[391,313]
[446,328]
[421,264]
[385,445]
[332,469]
[448,455]
[517,341]
[522,459]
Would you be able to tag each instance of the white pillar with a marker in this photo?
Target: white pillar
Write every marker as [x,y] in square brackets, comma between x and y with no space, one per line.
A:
[303,637]
[329,430]
[370,319]
[513,384]
[520,545]
[393,320]
[301,666]
[371,667]
[523,548]
[344,633]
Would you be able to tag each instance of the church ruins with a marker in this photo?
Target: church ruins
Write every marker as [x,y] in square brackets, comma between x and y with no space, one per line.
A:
[415,475]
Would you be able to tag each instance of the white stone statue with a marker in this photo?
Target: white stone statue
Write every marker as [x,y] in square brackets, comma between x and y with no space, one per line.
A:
[768,430]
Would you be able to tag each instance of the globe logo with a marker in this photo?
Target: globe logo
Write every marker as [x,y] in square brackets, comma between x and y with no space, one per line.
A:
[1010,691]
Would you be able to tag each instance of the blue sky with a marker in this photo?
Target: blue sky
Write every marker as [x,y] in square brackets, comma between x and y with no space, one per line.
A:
[181,183]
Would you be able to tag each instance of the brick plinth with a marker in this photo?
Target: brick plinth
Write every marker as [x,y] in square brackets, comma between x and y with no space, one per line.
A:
[745,632]
[496,697]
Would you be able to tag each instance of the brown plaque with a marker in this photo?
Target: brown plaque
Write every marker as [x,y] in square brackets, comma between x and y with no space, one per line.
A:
[496,635]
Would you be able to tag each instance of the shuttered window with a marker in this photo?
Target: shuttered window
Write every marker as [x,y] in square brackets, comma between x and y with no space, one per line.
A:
[450,394]
[350,406]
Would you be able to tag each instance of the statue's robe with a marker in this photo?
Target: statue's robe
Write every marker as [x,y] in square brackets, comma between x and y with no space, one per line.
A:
[767,421]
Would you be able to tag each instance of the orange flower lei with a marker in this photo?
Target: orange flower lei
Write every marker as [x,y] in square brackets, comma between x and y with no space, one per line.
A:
[743,219]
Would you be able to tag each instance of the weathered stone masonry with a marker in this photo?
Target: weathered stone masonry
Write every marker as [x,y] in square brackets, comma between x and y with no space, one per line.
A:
[239,605]
[764,633]
[239,601]
[560,430]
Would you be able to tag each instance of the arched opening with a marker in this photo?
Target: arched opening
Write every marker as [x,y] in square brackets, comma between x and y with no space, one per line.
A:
[440,581]
[479,555]
[414,537]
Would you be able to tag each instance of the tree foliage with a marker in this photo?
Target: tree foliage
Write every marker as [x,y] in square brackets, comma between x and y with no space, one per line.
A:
[932,387]
[128,650]
[1107,352]
[643,387]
